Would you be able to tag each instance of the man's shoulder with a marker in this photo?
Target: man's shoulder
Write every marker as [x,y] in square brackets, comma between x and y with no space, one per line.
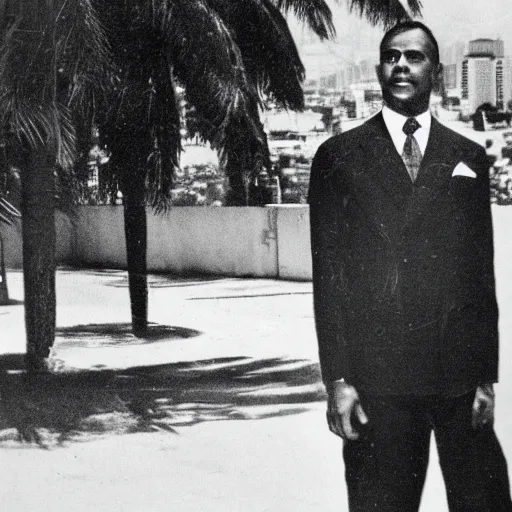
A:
[344,143]
[459,141]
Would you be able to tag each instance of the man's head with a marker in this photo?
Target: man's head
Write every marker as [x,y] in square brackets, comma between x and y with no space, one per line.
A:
[409,67]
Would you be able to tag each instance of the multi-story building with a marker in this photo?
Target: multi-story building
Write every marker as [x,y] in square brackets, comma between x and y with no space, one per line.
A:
[452,56]
[368,98]
[450,76]
[486,75]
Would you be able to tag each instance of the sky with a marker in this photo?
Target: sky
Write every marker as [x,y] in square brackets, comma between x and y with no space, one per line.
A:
[450,20]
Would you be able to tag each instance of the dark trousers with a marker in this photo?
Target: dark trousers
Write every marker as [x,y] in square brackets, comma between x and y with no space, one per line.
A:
[386,466]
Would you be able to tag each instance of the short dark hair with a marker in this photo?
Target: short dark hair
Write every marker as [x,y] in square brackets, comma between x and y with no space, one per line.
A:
[405,26]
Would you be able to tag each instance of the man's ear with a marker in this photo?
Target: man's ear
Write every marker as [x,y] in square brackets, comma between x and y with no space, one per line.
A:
[378,72]
[438,72]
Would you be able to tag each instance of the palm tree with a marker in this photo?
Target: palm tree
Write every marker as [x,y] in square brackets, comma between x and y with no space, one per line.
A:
[53,62]
[155,47]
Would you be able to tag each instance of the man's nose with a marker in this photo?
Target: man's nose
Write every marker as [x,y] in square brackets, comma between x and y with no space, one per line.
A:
[402,62]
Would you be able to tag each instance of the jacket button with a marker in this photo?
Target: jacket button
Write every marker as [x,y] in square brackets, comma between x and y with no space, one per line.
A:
[379,331]
[433,256]
[405,260]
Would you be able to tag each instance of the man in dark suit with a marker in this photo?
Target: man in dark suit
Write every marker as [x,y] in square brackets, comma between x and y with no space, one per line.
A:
[404,295]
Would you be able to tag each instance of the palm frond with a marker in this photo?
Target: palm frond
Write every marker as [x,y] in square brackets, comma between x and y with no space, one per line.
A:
[207,61]
[40,126]
[267,48]
[8,212]
[385,12]
[165,131]
[209,47]
[83,53]
[63,64]
[315,13]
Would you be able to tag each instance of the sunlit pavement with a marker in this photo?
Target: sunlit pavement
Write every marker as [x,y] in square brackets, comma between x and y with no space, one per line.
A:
[237,419]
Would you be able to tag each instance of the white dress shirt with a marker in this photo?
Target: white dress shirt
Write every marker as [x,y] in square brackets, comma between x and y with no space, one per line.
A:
[395,122]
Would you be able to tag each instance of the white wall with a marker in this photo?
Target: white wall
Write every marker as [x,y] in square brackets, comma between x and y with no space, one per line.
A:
[226,241]
[261,242]
[98,237]
[294,245]
[11,236]
[14,249]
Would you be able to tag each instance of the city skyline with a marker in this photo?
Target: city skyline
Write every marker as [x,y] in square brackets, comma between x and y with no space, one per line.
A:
[451,22]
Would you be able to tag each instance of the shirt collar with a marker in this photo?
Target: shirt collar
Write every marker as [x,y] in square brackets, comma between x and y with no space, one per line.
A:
[395,122]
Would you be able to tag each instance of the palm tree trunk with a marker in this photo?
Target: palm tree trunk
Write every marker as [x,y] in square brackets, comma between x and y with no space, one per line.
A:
[135,226]
[38,234]
[238,180]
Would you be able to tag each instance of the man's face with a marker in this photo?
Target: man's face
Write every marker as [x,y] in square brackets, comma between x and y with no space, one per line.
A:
[407,72]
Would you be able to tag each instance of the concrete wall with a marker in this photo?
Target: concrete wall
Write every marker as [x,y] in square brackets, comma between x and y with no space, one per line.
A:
[14,249]
[98,238]
[261,242]
[293,242]
[226,241]
[11,236]
[222,241]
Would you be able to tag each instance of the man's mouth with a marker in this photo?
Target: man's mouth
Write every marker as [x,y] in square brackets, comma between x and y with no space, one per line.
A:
[401,82]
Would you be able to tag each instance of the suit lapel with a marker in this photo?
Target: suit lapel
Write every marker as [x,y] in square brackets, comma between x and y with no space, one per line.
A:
[438,153]
[380,180]
[434,173]
[384,165]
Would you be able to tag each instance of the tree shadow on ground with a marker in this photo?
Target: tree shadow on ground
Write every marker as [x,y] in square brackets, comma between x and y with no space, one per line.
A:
[52,409]
[11,302]
[173,281]
[118,334]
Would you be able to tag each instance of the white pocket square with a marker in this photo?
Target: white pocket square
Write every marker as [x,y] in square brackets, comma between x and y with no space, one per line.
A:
[461,169]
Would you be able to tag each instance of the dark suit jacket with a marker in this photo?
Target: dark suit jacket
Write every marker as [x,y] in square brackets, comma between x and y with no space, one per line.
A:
[403,273]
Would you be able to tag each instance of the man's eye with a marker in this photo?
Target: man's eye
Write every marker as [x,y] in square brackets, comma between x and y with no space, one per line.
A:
[391,57]
[415,57]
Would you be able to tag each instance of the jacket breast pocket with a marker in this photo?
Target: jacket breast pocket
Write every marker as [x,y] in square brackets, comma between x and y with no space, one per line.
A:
[462,190]
[463,198]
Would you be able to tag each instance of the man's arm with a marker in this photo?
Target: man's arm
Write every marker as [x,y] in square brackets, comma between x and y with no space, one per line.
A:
[343,407]
[483,405]
[326,240]
[327,267]
[484,250]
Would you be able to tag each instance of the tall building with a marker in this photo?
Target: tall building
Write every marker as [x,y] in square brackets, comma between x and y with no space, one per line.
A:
[453,53]
[486,75]
[450,76]
[368,98]
[452,56]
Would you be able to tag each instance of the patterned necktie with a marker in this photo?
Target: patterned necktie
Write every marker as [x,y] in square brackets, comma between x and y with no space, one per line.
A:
[411,153]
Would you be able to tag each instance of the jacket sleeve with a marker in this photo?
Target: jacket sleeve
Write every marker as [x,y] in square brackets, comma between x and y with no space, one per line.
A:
[484,248]
[326,246]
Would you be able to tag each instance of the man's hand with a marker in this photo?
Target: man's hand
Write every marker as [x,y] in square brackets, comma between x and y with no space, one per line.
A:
[483,406]
[343,405]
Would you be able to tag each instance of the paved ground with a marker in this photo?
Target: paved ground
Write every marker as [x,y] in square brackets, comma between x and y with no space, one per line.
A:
[220,409]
